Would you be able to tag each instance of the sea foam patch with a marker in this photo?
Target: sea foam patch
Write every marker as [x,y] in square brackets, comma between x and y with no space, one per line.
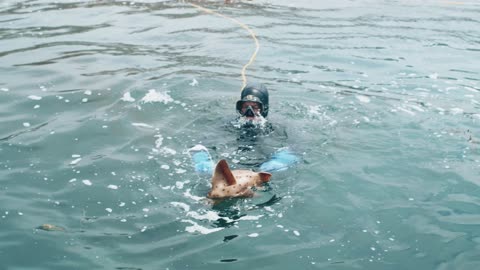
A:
[154,96]
[143,125]
[198,228]
[33,97]
[363,98]
[183,206]
[127,97]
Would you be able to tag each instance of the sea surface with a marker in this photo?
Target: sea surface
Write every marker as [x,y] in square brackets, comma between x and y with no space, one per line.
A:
[101,100]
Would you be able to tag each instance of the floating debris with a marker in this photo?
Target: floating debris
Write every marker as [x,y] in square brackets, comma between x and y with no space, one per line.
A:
[50,227]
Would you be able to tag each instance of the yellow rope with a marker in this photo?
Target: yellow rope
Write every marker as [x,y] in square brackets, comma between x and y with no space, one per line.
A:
[244,26]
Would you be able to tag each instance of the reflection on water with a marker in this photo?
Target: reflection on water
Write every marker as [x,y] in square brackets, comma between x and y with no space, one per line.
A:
[100,100]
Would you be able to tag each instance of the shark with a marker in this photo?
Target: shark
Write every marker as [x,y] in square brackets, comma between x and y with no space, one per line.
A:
[237,183]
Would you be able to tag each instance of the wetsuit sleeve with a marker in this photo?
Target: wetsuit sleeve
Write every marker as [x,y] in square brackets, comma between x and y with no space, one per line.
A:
[281,160]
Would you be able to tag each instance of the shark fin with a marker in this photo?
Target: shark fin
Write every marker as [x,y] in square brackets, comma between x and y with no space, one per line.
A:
[223,173]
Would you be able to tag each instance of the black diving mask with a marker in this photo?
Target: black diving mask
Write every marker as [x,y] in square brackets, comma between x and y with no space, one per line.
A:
[250,110]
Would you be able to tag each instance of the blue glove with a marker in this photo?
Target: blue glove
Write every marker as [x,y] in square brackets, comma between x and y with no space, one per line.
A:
[280,161]
[202,161]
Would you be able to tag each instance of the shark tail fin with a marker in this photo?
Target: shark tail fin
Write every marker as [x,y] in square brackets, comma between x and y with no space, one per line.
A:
[223,173]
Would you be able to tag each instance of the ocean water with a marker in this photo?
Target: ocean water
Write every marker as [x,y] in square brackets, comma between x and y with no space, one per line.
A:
[100,101]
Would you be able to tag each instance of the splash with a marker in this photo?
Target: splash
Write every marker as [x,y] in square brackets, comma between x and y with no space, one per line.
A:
[154,96]
[127,97]
[243,121]
[33,97]
[197,228]
[142,125]
[194,82]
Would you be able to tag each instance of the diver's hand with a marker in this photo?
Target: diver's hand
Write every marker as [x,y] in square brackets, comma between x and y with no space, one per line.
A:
[280,161]
[202,161]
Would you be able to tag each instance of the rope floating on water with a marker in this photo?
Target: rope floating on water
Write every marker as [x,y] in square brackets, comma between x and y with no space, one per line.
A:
[244,26]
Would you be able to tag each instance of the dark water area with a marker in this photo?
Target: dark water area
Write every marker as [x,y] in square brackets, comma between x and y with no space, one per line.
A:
[101,100]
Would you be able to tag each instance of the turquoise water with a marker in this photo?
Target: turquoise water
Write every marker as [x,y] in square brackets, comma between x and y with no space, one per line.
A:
[99,101]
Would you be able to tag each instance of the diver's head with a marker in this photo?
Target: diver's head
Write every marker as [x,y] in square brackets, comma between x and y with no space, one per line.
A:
[253,103]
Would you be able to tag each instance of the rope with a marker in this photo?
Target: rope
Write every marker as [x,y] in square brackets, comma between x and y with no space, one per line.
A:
[244,26]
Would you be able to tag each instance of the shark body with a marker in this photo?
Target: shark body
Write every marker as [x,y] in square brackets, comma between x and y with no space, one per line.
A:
[237,183]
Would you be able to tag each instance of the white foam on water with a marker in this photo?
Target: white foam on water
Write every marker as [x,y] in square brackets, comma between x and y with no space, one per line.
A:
[108,210]
[179,185]
[3,89]
[260,123]
[194,82]
[198,147]
[193,197]
[405,110]
[296,233]
[269,209]
[180,171]
[197,228]
[253,235]
[76,156]
[33,97]
[88,92]
[26,124]
[84,100]
[185,207]
[127,97]
[209,215]
[142,125]
[167,151]
[314,110]
[433,76]
[75,161]
[471,89]
[158,141]
[363,98]
[456,111]
[154,96]
[415,107]
[112,186]
[251,217]
[87,182]
[165,167]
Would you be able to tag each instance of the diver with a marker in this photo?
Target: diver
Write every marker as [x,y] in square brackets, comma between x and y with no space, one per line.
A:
[253,106]
[252,109]
[254,142]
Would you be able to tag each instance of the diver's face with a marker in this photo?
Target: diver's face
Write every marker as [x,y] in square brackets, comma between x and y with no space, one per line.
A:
[251,110]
